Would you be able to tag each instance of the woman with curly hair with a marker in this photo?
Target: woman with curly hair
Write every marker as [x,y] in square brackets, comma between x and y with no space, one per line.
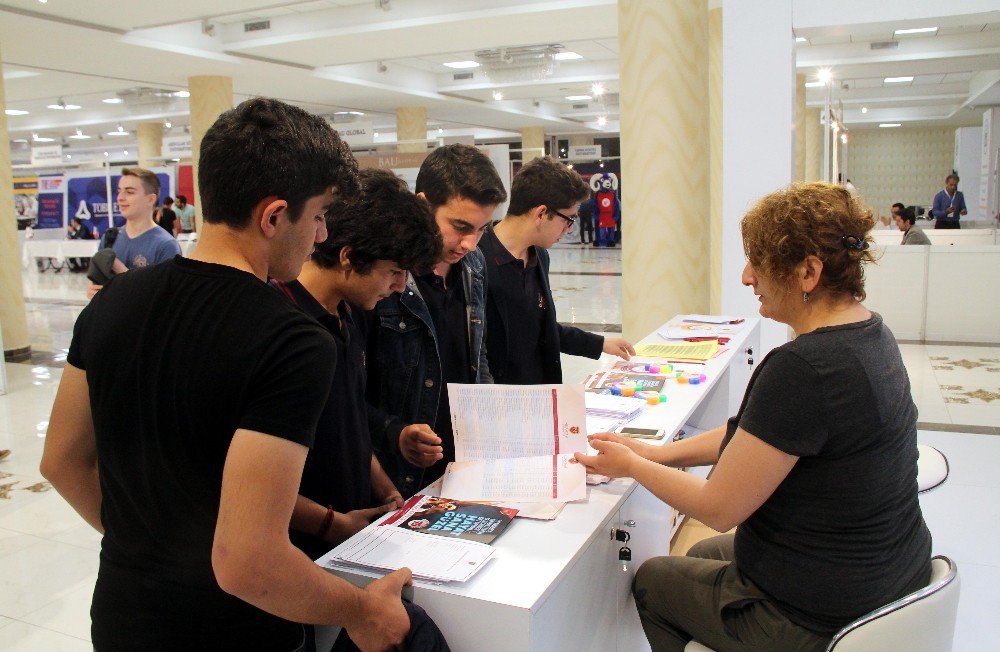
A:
[817,471]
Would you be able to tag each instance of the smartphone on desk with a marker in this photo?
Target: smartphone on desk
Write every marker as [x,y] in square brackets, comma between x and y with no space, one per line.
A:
[640,433]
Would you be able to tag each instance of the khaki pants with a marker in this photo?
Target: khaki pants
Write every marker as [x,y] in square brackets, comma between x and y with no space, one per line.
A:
[704,596]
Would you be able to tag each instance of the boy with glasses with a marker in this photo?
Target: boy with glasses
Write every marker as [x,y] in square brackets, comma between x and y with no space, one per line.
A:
[524,339]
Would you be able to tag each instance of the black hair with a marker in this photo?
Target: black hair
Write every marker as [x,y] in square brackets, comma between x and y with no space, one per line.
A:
[899,205]
[952,176]
[168,200]
[266,148]
[183,198]
[459,171]
[546,181]
[384,222]
[908,215]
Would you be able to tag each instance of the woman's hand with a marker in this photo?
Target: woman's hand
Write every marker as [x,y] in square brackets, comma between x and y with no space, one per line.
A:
[641,449]
[613,459]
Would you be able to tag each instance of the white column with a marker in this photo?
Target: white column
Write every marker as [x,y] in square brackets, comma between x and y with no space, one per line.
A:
[758,99]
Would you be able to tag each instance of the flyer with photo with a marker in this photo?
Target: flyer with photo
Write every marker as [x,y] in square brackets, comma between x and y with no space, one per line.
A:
[446,517]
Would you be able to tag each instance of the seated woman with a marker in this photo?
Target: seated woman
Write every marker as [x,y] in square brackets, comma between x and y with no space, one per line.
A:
[817,472]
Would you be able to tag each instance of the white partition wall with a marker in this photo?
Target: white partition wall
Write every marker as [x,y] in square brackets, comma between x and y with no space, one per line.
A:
[896,288]
[963,294]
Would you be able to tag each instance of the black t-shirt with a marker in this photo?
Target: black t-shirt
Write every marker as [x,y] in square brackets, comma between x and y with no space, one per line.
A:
[518,288]
[446,304]
[167,218]
[179,356]
[338,469]
[843,533]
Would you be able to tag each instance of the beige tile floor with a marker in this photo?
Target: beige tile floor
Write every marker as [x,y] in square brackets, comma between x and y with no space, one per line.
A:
[48,556]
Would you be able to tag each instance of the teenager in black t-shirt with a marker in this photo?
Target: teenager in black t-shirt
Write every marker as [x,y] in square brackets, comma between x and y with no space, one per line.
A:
[373,240]
[195,503]
[817,471]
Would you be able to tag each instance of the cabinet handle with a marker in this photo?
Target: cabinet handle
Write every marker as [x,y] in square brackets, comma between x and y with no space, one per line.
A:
[750,351]
[630,523]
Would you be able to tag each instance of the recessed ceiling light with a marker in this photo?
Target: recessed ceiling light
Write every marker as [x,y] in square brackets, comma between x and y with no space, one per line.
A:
[20,140]
[462,64]
[440,130]
[801,39]
[348,113]
[597,89]
[69,156]
[125,152]
[897,80]
[566,56]
[62,106]
[602,120]
[182,94]
[497,95]
[814,84]
[112,100]
[168,124]
[15,112]
[105,153]
[120,132]
[578,98]
[915,30]
[864,109]
[79,135]
[886,125]
[41,139]
[376,134]
[824,75]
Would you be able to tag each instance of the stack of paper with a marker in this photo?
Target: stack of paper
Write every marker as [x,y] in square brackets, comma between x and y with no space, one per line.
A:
[613,407]
[440,559]
[679,350]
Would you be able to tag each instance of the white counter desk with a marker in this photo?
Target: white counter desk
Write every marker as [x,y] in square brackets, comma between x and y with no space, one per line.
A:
[558,585]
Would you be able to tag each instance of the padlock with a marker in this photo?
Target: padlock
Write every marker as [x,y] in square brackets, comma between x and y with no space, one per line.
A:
[625,556]
[622,535]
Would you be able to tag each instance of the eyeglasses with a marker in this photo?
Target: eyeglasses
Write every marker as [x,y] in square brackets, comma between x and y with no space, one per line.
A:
[569,218]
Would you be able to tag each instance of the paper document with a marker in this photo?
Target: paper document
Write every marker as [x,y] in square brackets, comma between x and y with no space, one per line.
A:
[499,421]
[544,477]
[712,319]
[679,350]
[433,558]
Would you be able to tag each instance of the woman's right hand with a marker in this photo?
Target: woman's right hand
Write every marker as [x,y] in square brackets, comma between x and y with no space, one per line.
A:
[641,449]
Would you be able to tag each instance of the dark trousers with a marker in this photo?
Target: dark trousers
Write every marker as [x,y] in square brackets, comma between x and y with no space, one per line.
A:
[704,596]
[947,224]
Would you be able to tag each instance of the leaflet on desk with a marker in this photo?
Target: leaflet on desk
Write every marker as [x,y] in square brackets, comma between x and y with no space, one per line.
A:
[450,517]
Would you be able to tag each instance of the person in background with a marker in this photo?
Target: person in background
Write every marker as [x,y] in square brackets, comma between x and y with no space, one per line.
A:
[524,338]
[195,502]
[818,469]
[586,213]
[139,243]
[185,213]
[949,205]
[78,231]
[432,332]
[167,218]
[912,234]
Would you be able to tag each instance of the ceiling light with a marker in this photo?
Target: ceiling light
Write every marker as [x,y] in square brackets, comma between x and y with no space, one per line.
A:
[602,120]
[566,56]
[815,84]
[348,113]
[440,130]
[125,152]
[15,112]
[376,134]
[597,89]
[824,75]
[62,106]
[112,100]
[459,65]
[897,80]
[864,109]
[105,153]
[120,132]
[801,39]
[886,125]
[41,139]
[843,138]
[915,30]
[497,95]
[20,140]
[578,98]
[182,94]
[69,156]
[168,124]
[79,135]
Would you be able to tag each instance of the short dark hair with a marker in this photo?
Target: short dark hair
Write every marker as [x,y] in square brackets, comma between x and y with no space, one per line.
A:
[168,200]
[952,176]
[266,148]
[546,181]
[459,171]
[908,215]
[183,198]
[384,222]
[150,182]
[899,205]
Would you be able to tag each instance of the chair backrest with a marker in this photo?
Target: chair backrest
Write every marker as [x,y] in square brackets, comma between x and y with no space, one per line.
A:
[923,620]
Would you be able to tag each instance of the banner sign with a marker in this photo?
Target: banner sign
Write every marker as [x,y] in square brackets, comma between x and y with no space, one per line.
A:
[584,151]
[51,202]
[26,201]
[176,147]
[47,155]
[356,133]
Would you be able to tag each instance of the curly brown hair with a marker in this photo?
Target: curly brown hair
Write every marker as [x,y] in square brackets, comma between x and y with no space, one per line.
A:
[811,219]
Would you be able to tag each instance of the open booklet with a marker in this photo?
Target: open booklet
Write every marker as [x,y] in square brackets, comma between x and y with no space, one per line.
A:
[514,443]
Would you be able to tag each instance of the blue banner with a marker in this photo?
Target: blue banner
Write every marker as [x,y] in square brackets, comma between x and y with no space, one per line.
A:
[87,198]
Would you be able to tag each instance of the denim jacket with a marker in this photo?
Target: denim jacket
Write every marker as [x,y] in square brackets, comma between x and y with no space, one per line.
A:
[404,368]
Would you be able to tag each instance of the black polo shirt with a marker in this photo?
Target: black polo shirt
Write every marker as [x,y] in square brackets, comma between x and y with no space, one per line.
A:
[445,299]
[338,468]
[518,287]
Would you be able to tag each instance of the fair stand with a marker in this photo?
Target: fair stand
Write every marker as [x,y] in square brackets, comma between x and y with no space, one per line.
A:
[559,585]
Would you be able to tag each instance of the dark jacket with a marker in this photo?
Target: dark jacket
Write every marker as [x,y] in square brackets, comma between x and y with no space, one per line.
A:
[404,370]
[556,339]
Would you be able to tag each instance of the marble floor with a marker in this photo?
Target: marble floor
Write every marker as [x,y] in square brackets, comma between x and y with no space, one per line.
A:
[49,557]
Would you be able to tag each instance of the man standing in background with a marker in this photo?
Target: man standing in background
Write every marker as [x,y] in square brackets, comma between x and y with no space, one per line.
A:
[185,213]
[949,205]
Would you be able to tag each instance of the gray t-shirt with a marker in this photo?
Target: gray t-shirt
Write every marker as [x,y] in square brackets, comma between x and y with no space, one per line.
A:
[843,533]
[148,248]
